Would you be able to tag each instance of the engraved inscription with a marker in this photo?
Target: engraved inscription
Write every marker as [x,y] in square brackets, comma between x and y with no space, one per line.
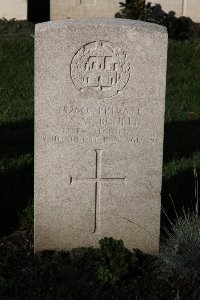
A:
[98,181]
[105,116]
[100,70]
[106,124]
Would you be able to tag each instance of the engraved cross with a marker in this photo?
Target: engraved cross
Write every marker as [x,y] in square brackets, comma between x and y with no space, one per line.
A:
[98,182]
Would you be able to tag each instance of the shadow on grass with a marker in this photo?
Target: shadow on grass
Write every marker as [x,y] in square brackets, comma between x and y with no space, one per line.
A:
[16,174]
[16,139]
[181,139]
[16,186]
[181,188]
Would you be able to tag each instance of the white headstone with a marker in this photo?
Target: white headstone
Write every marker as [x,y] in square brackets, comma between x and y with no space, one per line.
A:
[192,8]
[63,9]
[13,9]
[99,118]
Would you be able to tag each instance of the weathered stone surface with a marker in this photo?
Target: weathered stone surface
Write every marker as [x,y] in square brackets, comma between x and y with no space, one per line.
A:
[61,10]
[192,8]
[99,118]
[13,9]
[187,8]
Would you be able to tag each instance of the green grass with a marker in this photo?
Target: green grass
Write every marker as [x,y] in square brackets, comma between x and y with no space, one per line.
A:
[182,128]
[16,77]
[16,129]
[183,81]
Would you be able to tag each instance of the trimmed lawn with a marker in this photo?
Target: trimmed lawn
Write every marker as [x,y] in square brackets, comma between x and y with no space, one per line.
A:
[16,129]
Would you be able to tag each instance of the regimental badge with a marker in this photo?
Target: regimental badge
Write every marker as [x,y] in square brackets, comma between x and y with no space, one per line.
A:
[100,70]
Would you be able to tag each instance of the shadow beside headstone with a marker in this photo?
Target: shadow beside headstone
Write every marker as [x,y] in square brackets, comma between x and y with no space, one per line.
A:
[181,139]
[16,175]
[178,195]
[38,10]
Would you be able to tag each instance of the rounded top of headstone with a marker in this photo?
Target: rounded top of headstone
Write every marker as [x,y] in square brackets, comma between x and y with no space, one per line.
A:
[138,25]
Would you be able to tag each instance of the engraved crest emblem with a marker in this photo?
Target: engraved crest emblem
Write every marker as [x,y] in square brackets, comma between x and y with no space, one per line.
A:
[100,70]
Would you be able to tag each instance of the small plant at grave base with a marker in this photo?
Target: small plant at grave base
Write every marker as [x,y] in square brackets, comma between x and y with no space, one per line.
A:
[179,257]
[118,261]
